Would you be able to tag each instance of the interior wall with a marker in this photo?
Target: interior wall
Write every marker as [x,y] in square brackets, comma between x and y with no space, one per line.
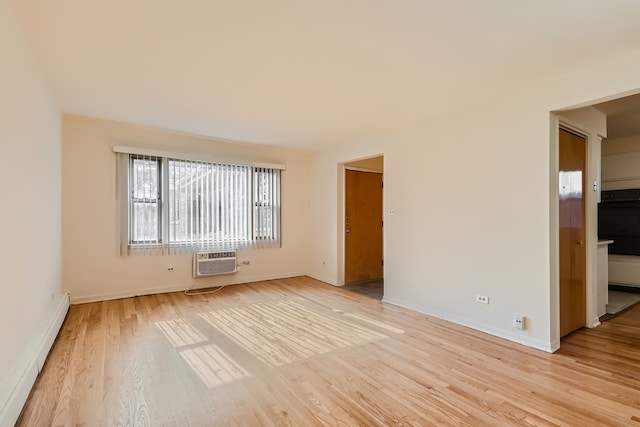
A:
[30,218]
[621,170]
[472,193]
[93,268]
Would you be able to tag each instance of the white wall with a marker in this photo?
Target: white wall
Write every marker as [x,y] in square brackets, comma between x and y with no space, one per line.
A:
[30,218]
[92,266]
[621,170]
[475,196]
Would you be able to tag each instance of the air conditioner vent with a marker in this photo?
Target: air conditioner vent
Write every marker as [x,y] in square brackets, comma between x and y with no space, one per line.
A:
[214,263]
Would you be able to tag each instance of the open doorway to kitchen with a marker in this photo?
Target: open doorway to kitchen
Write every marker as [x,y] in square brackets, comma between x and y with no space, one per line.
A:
[611,130]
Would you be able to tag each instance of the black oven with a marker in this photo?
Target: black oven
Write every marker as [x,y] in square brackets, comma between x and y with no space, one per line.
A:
[619,220]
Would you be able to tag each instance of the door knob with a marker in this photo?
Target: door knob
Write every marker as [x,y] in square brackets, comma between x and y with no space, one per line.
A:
[347,231]
[580,242]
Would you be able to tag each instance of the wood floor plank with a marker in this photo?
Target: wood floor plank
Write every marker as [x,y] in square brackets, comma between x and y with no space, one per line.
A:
[295,351]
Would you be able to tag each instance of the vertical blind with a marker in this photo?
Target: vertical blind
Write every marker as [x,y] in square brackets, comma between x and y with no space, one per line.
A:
[191,205]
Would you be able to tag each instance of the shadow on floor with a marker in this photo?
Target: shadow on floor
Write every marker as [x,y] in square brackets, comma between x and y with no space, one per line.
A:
[372,289]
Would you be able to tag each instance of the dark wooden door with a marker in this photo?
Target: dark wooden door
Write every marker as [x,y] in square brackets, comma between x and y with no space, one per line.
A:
[573,303]
[363,226]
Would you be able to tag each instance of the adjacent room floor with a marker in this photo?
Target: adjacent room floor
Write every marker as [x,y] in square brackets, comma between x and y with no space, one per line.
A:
[620,301]
[299,352]
[373,288]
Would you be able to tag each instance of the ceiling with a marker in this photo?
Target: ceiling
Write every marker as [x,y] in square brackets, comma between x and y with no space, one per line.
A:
[307,73]
[623,116]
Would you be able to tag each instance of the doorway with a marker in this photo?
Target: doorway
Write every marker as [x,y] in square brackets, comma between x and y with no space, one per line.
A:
[363,225]
[572,166]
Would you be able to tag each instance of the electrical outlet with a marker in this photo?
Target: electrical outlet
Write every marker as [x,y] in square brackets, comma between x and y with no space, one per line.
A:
[482,299]
[518,321]
[170,269]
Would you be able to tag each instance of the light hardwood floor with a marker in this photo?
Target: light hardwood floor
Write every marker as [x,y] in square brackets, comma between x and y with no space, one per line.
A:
[301,353]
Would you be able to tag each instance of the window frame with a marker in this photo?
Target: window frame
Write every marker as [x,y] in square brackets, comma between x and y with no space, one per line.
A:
[163,200]
[132,201]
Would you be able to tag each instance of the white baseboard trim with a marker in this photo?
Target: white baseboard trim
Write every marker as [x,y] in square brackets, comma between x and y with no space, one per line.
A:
[527,341]
[19,385]
[53,327]
[594,323]
[323,279]
[205,283]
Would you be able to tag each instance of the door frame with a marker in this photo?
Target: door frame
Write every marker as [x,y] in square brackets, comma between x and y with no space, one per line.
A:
[592,172]
[341,251]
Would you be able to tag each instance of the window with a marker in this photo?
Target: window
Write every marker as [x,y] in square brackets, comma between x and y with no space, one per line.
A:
[265,186]
[145,200]
[196,205]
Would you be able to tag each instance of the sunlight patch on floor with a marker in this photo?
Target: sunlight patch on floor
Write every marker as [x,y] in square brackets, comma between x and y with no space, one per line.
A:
[282,332]
[180,332]
[213,366]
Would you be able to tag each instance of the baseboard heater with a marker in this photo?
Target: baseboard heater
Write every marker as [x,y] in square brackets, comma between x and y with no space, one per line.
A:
[214,263]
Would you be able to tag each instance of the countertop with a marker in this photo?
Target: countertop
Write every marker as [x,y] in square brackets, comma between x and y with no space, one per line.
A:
[604,242]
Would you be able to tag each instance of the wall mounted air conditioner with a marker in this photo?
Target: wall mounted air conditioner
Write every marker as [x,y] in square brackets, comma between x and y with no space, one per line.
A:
[214,263]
